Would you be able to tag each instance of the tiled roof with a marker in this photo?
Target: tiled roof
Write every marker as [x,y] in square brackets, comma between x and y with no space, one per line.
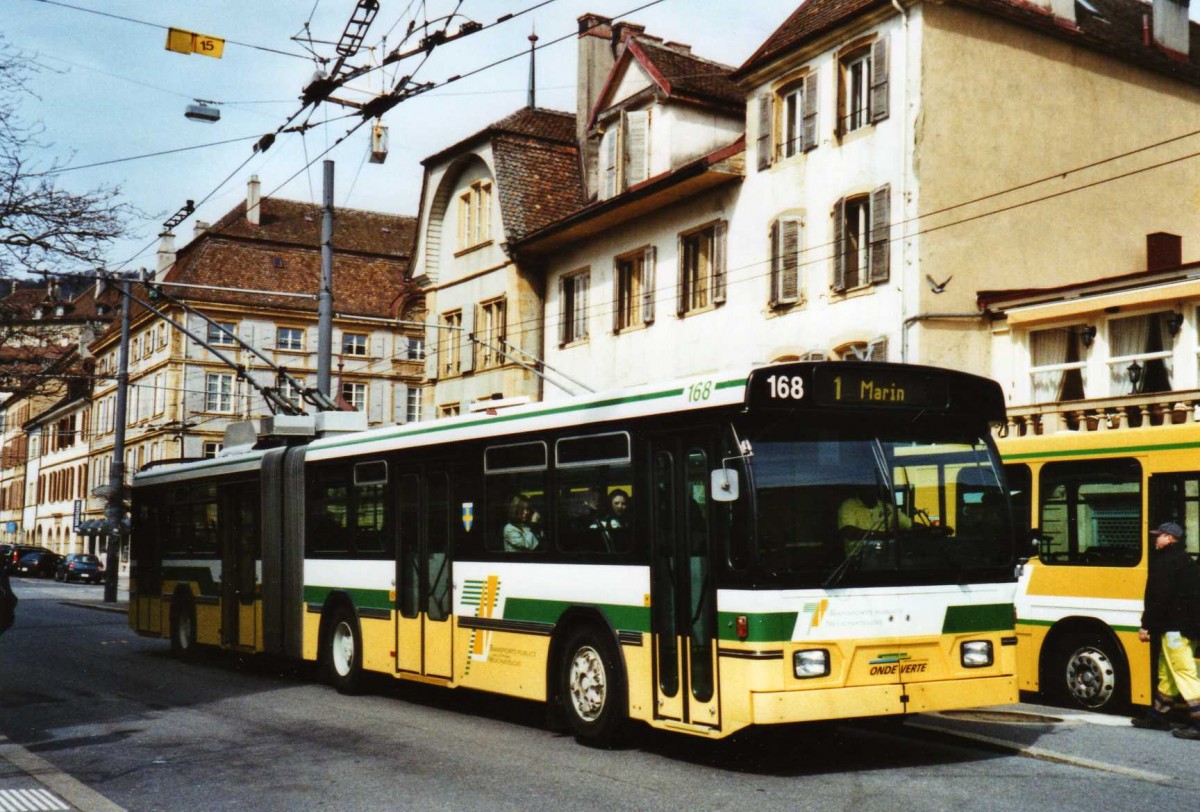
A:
[532,122]
[688,75]
[1114,27]
[538,182]
[296,223]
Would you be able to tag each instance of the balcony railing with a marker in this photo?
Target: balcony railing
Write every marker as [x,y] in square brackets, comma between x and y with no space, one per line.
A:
[1127,413]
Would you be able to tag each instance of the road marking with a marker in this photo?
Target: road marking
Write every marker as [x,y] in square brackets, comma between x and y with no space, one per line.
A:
[1041,754]
[74,792]
[29,800]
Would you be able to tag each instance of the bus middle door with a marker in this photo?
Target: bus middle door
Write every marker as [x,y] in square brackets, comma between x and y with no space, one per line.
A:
[240,555]
[683,596]
[423,576]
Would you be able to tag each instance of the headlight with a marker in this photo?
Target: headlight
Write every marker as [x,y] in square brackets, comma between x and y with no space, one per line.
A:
[977,653]
[811,663]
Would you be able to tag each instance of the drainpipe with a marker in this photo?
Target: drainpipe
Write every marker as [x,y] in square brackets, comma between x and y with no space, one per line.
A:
[904,170]
[911,320]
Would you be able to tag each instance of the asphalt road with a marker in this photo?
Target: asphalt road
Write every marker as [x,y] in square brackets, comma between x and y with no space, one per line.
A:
[107,720]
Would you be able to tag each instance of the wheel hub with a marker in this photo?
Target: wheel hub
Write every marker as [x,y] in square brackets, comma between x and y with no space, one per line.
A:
[342,649]
[587,684]
[1091,678]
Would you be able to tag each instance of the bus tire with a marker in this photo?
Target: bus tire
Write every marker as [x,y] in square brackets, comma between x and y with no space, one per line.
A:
[343,651]
[592,688]
[183,627]
[1088,672]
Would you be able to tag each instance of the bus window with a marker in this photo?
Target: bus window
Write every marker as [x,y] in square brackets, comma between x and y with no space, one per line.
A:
[594,493]
[1020,495]
[516,497]
[1176,498]
[1091,512]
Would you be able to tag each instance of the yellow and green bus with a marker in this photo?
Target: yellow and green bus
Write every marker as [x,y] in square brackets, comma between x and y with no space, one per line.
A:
[1089,498]
[483,551]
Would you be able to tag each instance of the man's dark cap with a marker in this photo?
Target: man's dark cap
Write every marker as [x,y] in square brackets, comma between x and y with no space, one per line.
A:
[1171,529]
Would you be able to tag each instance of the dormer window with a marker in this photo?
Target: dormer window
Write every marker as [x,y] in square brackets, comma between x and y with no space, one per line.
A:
[625,152]
[475,215]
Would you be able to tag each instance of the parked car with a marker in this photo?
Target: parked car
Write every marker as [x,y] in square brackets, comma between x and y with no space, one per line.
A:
[79,567]
[38,564]
[11,554]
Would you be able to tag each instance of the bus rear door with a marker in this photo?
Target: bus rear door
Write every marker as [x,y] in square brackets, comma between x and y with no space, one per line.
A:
[423,576]
[682,592]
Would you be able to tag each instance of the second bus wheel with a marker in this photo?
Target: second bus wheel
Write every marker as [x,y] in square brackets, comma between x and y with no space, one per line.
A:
[183,626]
[343,651]
[1088,672]
[592,688]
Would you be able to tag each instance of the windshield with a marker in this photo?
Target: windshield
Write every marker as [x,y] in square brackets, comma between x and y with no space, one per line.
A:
[863,507]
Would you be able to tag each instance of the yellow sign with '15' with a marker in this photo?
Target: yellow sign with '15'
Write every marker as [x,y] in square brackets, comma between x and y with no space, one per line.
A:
[189,42]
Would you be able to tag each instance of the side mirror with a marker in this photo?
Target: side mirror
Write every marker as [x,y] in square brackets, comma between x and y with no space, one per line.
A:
[724,485]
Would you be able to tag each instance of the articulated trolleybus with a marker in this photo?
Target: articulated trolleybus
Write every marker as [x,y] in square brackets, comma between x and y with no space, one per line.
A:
[805,541]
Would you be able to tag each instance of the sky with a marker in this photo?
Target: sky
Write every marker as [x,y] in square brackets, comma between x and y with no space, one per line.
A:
[106,89]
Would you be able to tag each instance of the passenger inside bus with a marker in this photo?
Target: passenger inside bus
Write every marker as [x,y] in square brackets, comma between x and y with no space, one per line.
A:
[522,532]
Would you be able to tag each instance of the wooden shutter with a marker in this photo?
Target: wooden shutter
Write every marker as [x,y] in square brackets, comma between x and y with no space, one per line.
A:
[718,262]
[880,238]
[375,402]
[879,80]
[789,260]
[608,158]
[637,147]
[649,259]
[839,245]
[681,290]
[400,403]
[766,141]
[877,349]
[468,346]
[582,283]
[617,305]
[563,315]
[776,264]
[808,132]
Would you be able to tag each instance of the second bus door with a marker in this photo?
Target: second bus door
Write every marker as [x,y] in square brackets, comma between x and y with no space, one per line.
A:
[423,576]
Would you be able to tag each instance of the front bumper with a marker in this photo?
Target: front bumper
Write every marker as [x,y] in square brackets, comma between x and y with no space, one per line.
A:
[782,707]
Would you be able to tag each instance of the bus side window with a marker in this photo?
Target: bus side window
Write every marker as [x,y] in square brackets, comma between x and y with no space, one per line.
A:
[1176,498]
[1091,512]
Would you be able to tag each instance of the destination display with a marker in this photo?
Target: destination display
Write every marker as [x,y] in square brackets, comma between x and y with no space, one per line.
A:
[861,384]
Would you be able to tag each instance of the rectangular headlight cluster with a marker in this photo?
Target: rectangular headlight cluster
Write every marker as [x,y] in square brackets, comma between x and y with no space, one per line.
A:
[810,663]
[977,653]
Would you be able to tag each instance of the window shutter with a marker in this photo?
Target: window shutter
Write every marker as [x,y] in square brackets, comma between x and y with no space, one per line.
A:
[808,133]
[649,260]
[776,264]
[375,402]
[766,144]
[637,147]
[400,403]
[582,284]
[468,346]
[608,154]
[789,281]
[681,288]
[880,240]
[839,245]
[617,304]
[718,278]
[564,317]
[877,349]
[879,80]
[380,350]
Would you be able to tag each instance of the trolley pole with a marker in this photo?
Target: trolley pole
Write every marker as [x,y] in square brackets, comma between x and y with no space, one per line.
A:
[115,509]
[325,294]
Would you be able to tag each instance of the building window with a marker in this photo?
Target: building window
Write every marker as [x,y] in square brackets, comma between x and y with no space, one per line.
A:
[633,279]
[862,229]
[412,348]
[1140,354]
[573,307]
[625,152]
[701,269]
[412,411]
[875,350]
[289,338]
[355,394]
[448,410]
[863,86]
[490,330]
[291,393]
[787,121]
[221,333]
[218,392]
[474,215]
[211,449]
[785,261]
[354,344]
[450,343]
[1057,368]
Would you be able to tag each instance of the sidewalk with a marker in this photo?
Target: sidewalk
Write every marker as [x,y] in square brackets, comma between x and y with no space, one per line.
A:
[96,601]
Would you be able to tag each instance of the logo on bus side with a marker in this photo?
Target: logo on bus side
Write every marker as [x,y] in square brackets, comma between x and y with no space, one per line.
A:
[468,515]
[484,595]
[897,663]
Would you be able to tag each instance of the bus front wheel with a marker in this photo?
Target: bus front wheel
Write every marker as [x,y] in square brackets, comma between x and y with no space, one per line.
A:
[1088,673]
[343,652]
[592,689]
[183,627]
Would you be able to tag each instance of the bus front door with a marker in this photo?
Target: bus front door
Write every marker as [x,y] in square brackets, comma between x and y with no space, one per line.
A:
[240,554]
[423,595]
[683,597]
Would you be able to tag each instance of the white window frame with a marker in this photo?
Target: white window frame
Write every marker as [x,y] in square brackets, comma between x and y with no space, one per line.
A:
[573,307]
[284,339]
[354,345]
[218,392]
[217,338]
[357,392]
[412,406]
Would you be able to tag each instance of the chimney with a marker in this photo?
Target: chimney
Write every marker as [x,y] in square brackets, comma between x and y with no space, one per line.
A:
[1163,250]
[200,228]
[684,48]
[623,31]
[166,252]
[253,200]
[595,63]
[1171,27]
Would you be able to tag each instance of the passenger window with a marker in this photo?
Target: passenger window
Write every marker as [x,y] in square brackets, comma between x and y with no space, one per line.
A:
[594,496]
[516,497]
[1176,498]
[1091,513]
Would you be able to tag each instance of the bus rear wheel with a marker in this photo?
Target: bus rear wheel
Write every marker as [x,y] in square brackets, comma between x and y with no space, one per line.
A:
[343,652]
[1088,673]
[183,627]
[592,689]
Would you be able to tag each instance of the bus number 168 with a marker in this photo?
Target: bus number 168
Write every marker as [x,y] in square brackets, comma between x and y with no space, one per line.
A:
[786,387]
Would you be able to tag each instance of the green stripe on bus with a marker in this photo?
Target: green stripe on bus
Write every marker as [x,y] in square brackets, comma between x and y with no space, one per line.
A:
[1048,623]
[990,617]
[1107,451]
[763,627]
[362,598]
[622,617]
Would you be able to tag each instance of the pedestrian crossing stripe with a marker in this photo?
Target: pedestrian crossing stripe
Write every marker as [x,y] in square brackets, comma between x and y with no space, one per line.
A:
[29,800]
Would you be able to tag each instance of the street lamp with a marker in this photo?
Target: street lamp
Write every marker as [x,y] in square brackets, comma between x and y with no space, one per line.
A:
[1135,374]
